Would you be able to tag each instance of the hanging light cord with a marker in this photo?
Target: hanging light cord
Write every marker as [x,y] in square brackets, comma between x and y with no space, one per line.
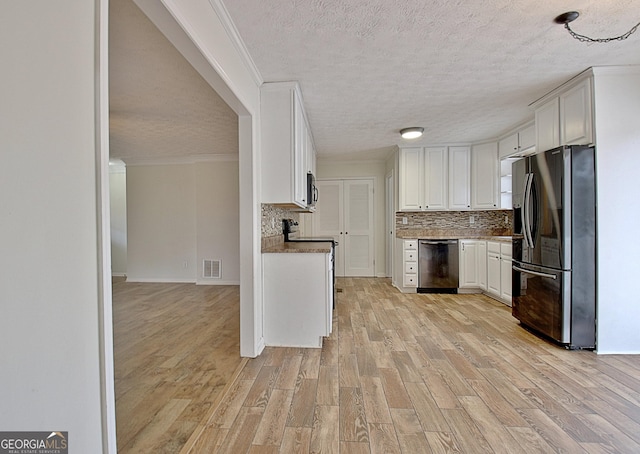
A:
[586,39]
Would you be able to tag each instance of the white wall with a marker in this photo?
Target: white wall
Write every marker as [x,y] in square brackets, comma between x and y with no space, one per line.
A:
[326,168]
[49,292]
[179,215]
[201,31]
[118,210]
[161,223]
[617,111]
[217,219]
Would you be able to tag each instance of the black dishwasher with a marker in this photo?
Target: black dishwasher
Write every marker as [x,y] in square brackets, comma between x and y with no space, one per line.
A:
[438,266]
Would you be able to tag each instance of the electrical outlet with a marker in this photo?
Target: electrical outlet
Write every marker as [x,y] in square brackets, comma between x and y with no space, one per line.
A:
[506,219]
[404,220]
[472,219]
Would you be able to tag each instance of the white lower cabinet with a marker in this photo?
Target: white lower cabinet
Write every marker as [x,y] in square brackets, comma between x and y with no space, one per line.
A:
[493,272]
[486,266]
[505,272]
[297,298]
[499,271]
[473,264]
[410,264]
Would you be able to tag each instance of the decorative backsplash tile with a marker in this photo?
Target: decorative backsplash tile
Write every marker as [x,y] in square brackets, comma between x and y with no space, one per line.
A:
[272,217]
[490,220]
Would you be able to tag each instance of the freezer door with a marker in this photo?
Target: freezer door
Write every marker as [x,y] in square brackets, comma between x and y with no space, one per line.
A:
[542,300]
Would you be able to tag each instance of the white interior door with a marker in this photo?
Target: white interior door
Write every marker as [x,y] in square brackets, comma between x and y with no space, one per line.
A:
[358,228]
[328,217]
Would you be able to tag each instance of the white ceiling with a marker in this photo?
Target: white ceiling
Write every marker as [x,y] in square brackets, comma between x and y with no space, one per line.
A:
[466,71]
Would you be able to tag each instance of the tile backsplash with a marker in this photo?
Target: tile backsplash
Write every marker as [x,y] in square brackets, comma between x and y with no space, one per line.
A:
[489,220]
[272,217]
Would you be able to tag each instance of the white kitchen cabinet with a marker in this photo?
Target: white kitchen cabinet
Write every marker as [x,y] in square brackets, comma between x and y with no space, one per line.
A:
[473,264]
[523,141]
[435,171]
[505,272]
[459,178]
[565,116]
[423,179]
[297,298]
[499,259]
[493,269]
[548,125]
[410,264]
[411,181]
[508,146]
[287,145]
[576,123]
[484,176]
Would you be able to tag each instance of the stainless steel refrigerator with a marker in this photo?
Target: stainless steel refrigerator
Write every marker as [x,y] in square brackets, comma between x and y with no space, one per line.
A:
[554,262]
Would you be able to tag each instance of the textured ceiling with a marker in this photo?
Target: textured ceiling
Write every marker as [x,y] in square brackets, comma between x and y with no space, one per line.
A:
[466,71]
[159,105]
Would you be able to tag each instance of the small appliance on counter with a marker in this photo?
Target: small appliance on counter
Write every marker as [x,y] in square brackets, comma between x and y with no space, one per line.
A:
[554,266]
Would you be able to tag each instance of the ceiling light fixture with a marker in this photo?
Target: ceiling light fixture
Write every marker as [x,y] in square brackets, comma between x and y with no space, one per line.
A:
[411,133]
[570,16]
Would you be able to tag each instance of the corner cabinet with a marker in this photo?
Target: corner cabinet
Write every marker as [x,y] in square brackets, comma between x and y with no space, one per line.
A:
[484,181]
[287,145]
[565,116]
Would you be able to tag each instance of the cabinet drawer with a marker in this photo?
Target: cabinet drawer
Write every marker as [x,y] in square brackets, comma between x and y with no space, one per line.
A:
[505,249]
[411,245]
[410,256]
[493,246]
[411,280]
[411,267]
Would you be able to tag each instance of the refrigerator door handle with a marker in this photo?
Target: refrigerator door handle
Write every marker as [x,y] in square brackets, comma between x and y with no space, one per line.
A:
[535,273]
[526,209]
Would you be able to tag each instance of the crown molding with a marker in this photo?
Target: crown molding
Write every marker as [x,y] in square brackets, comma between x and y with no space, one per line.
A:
[223,14]
[178,160]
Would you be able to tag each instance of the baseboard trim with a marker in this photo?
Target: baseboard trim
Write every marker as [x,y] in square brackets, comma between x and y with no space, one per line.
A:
[160,280]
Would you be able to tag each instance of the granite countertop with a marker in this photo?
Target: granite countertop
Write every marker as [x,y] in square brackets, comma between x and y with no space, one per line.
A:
[319,247]
[454,234]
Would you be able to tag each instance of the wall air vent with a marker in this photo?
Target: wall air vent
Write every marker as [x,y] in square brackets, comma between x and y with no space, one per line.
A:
[212,269]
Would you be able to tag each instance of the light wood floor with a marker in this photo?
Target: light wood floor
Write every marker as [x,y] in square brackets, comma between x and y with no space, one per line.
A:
[426,373]
[176,347]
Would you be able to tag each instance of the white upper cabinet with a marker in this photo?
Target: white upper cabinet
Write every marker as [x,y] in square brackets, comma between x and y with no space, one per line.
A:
[435,183]
[548,125]
[521,142]
[287,145]
[484,180]
[423,178]
[459,178]
[576,123]
[565,116]
[411,179]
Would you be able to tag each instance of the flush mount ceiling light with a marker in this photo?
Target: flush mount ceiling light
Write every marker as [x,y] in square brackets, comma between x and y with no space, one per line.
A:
[570,16]
[411,133]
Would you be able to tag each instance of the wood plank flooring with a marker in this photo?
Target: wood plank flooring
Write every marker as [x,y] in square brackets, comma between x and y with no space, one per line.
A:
[176,347]
[426,374]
